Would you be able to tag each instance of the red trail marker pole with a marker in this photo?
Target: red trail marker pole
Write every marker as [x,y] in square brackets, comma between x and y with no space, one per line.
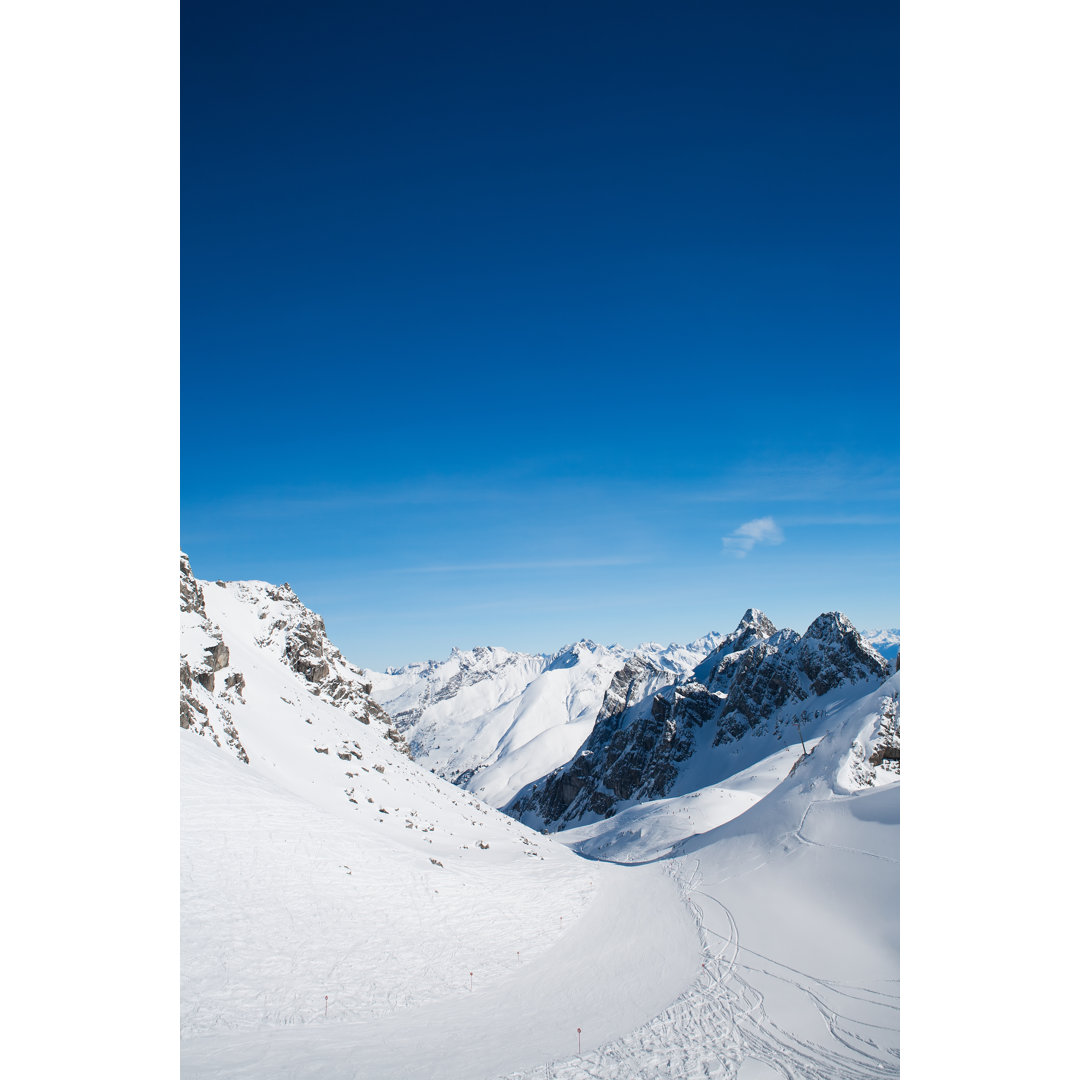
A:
[326,1006]
[579,1041]
[470,981]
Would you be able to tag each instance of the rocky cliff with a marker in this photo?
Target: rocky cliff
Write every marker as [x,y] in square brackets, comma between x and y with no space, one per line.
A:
[756,683]
[273,628]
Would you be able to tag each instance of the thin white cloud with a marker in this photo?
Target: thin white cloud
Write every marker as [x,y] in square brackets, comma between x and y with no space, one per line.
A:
[762,530]
[832,479]
[542,564]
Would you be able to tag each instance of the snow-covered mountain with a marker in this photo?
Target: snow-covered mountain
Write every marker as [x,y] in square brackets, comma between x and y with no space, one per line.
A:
[758,687]
[494,721]
[885,642]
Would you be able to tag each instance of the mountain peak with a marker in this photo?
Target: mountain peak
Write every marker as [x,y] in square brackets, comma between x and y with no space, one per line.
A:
[829,626]
[756,621]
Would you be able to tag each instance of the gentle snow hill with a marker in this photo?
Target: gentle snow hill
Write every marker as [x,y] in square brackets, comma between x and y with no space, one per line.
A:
[494,721]
[284,902]
[319,948]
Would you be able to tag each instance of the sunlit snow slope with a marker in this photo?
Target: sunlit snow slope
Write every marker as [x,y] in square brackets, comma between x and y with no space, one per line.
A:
[797,907]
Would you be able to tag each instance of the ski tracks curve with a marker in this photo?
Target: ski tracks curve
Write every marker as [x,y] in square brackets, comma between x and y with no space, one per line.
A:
[719,1024]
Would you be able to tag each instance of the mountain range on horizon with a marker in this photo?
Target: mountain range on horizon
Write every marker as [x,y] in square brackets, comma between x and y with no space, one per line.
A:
[574,735]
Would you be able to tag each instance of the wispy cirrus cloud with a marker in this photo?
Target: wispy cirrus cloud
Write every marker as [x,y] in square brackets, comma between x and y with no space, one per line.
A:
[537,564]
[829,479]
[763,530]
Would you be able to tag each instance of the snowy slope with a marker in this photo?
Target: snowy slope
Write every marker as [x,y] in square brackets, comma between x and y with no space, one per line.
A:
[494,721]
[283,901]
[797,907]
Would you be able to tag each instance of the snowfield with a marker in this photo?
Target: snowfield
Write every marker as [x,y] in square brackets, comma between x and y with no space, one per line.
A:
[348,915]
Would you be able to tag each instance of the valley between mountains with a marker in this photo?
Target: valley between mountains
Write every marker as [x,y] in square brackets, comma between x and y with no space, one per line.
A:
[688,852]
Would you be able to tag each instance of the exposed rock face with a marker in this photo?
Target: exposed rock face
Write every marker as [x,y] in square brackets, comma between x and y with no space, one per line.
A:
[204,652]
[880,761]
[191,594]
[636,679]
[717,670]
[640,742]
[291,634]
[299,638]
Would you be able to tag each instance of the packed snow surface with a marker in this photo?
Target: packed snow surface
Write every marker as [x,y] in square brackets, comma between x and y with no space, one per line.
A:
[311,949]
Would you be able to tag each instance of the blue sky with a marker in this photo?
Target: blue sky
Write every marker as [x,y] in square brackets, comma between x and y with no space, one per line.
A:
[513,324]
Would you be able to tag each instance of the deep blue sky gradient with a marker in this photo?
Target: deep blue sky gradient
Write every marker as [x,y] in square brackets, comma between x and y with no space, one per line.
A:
[498,317]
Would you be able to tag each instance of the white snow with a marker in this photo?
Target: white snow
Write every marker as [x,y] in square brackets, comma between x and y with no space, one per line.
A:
[755,934]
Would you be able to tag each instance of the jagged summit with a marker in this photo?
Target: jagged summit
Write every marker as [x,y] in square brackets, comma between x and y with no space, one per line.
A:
[650,738]
[755,617]
[829,626]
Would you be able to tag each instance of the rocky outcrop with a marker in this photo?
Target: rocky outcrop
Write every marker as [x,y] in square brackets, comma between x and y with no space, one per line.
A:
[788,669]
[637,679]
[203,654]
[717,670]
[637,751]
[876,760]
[296,637]
[191,594]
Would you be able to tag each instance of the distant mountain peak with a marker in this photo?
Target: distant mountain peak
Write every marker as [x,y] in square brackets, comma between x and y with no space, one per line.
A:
[754,616]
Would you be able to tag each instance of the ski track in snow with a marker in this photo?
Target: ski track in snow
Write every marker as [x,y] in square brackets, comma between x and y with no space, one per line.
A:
[803,838]
[720,1027]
